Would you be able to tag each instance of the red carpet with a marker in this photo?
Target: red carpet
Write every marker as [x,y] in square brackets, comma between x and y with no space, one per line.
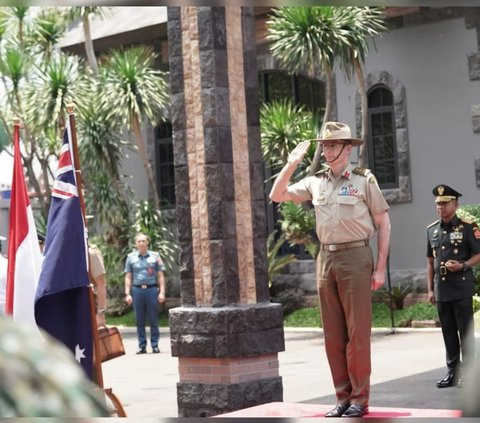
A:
[282,409]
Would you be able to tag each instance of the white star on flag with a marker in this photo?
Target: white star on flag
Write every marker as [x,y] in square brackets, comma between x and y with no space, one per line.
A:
[79,353]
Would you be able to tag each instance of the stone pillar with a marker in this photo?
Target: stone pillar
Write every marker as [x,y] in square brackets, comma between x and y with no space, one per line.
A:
[226,333]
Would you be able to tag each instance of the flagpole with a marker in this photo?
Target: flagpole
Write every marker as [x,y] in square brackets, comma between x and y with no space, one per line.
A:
[93,314]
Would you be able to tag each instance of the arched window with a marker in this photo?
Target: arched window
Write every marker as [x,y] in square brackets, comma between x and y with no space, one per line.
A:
[382,144]
[388,153]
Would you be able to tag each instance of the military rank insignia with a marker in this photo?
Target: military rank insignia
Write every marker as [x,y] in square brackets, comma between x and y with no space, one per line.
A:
[476,232]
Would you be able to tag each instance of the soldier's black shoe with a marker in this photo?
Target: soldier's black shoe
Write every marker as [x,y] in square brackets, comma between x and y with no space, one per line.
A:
[155,350]
[141,351]
[356,411]
[338,410]
[450,379]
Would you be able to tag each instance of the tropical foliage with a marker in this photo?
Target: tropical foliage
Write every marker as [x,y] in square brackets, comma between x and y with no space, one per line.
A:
[298,225]
[114,94]
[313,39]
[276,262]
[282,126]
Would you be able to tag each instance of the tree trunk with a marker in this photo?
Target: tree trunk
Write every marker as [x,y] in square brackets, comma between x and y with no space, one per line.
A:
[33,181]
[92,60]
[143,154]
[362,155]
[326,116]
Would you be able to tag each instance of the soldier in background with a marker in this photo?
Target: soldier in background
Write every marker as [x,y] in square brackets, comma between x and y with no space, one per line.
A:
[453,248]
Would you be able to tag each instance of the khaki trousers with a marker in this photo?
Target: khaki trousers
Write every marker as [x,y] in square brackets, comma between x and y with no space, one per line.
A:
[344,289]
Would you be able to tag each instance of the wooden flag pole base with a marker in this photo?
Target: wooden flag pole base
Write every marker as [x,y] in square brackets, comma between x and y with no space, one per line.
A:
[118,410]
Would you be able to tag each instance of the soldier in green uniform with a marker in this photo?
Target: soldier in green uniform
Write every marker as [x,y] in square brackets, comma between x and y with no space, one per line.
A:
[453,248]
[350,210]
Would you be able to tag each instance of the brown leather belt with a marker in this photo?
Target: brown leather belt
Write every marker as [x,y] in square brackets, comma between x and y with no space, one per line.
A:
[344,245]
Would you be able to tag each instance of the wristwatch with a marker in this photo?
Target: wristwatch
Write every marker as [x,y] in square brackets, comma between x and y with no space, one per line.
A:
[465,267]
[101,311]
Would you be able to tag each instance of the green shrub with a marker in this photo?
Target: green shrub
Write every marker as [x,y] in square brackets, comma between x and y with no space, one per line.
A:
[276,262]
[399,293]
[476,303]
[305,317]
[298,225]
[472,211]
[381,316]
[290,299]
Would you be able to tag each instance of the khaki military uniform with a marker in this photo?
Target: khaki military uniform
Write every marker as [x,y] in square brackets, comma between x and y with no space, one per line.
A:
[97,267]
[344,207]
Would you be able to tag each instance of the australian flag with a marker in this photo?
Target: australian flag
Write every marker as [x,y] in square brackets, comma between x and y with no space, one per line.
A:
[62,297]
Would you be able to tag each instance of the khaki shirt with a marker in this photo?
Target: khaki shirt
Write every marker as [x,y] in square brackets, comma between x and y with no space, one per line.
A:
[344,205]
[96,261]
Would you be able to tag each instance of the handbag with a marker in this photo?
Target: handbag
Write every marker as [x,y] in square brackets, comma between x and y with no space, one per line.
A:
[110,343]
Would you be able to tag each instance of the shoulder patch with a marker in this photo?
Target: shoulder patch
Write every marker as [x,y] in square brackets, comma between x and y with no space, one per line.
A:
[433,223]
[476,232]
[361,171]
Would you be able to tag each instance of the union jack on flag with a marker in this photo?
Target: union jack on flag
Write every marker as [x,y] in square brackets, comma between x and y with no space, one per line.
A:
[62,298]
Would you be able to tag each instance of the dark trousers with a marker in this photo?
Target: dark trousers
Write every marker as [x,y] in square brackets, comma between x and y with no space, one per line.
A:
[145,307]
[456,319]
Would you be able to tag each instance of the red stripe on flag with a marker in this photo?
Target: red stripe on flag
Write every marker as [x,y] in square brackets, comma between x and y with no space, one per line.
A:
[62,193]
[18,226]
[64,159]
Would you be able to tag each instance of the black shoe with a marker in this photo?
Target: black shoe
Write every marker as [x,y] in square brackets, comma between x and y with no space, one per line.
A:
[356,411]
[155,350]
[141,351]
[450,379]
[338,410]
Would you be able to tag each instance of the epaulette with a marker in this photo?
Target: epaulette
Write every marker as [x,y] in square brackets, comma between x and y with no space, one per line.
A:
[433,223]
[322,171]
[468,220]
[361,171]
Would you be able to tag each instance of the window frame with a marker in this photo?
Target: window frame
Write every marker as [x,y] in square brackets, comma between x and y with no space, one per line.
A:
[372,111]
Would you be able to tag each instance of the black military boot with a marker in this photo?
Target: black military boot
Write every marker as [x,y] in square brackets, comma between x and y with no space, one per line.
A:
[450,379]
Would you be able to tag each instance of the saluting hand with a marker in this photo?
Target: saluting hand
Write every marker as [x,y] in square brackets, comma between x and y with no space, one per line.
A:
[298,153]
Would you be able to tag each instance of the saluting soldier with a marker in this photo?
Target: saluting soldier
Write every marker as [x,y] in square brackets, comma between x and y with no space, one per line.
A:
[350,209]
[453,249]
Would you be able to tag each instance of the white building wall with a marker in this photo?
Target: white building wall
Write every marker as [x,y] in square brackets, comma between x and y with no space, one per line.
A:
[431,62]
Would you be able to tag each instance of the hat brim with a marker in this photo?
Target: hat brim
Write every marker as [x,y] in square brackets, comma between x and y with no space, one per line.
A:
[354,141]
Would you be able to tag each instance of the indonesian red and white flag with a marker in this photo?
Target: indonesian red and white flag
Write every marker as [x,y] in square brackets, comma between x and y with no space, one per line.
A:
[24,257]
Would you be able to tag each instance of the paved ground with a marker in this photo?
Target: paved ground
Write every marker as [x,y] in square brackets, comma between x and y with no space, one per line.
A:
[405,367]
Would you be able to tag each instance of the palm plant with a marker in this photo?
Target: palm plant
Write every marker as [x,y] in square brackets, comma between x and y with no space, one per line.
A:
[283,125]
[47,30]
[302,40]
[361,24]
[298,223]
[85,13]
[134,90]
[275,262]
[309,39]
